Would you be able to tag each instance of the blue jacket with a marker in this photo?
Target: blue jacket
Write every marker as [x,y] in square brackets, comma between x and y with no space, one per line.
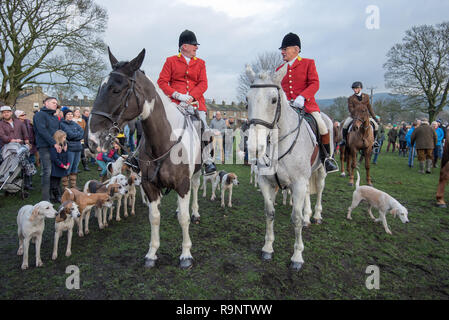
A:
[440,136]
[408,137]
[74,135]
[58,159]
[45,125]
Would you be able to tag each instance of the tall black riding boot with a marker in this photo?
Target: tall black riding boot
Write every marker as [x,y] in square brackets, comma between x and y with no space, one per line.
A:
[329,163]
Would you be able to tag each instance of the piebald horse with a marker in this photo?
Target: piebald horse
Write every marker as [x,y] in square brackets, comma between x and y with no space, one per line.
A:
[169,155]
[288,158]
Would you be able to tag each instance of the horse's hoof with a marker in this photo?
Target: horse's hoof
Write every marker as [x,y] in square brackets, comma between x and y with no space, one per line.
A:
[306,224]
[186,263]
[195,220]
[441,205]
[150,263]
[267,256]
[318,221]
[295,266]
[343,175]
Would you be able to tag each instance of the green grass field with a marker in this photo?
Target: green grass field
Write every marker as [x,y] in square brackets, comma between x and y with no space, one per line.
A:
[413,262]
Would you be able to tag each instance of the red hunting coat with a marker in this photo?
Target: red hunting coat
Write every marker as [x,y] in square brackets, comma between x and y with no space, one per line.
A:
[302,80]
[190,79]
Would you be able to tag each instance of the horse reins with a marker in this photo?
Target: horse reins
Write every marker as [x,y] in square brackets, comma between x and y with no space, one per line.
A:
[115,129]
[277,116]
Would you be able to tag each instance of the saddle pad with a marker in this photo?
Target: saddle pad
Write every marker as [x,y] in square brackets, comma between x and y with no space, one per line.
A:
[313,126]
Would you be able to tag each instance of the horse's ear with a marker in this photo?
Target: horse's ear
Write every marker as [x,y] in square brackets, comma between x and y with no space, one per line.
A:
[112,59]
[250,73]
[280,74]
[137,61]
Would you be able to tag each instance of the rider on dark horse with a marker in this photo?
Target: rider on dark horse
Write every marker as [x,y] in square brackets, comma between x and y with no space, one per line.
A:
[300,84]
[357,102]
[183,78]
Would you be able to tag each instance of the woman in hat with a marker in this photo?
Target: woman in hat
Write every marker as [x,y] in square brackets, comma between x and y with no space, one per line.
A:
[74,136]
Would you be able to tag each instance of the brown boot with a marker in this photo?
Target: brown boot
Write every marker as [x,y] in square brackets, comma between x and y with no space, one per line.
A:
[72,178]
[65,183]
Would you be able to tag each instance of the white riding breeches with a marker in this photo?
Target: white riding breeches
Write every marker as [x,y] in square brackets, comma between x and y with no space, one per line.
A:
[320,123]
[371,120]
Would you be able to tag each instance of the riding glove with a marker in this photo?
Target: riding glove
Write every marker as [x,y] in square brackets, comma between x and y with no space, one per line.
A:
[181,97]
[299,102]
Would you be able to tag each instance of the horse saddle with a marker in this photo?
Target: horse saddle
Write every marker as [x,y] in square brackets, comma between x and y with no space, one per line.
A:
[371,121]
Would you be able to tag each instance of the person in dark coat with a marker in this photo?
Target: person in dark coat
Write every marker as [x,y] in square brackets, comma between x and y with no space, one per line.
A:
[45,126]
[74,147]
[392,136]
[21,115]
[426,140]
[59,166]
[402,141]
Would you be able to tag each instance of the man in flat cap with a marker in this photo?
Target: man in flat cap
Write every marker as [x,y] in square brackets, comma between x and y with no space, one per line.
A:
[183,78]
[300,85]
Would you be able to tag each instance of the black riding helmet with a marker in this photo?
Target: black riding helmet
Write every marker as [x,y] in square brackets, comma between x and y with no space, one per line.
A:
[357,84]
[187,37]
[290,40]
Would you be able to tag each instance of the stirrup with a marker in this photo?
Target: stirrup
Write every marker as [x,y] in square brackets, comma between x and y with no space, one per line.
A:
[329,163]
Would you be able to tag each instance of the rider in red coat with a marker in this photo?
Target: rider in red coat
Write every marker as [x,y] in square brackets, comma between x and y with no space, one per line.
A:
[300,85]
[183,78]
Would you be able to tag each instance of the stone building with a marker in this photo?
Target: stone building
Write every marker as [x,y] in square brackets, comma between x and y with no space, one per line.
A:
[236,111]
[76,102]
[30,99]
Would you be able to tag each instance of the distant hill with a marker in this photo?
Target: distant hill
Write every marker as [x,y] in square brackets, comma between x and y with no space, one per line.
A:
[325,103]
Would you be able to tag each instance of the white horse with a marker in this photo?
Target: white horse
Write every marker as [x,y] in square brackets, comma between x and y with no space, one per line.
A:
[285,149]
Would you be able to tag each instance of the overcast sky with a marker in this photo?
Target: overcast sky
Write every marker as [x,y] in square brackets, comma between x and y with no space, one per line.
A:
[232,33]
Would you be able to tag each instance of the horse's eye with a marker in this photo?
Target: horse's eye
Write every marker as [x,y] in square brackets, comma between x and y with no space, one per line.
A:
[116,91]
[274,100]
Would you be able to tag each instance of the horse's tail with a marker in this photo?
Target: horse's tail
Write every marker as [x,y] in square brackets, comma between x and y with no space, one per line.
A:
[357,183]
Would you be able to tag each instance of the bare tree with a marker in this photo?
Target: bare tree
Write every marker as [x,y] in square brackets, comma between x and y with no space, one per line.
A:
[419,67]
[267,61]
[338,110]
[389,110]
[53,42]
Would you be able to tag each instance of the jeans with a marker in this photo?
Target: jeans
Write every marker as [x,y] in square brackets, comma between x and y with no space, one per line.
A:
[411,156]
[103,166]
[131,144]
[381,142]
[45,160]
[437,152]
[74,160]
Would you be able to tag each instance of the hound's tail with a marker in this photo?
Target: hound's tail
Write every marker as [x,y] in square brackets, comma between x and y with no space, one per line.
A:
[357,183]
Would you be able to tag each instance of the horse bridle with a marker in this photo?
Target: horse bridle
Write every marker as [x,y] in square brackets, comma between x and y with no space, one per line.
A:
[278,107]
[124,101]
